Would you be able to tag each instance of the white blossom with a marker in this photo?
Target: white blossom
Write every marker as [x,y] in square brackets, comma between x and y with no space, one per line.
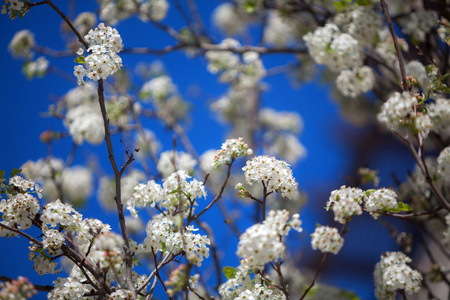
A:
[327,239]
[276,175]
[231,149]
[264,241]
[392,273]
[345,203]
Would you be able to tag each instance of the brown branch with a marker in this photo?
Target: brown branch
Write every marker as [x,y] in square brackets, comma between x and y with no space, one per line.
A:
[20,232]
[118,198]
[66,19]
[41,288]
[385,10]
[217,198]
[324,259]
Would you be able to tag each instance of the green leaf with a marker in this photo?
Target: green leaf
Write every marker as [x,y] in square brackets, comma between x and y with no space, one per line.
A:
[2,174]
[80,59]
[15,172]
[250,7]
[403,207]
[400,207]
[229,272]
[363,2]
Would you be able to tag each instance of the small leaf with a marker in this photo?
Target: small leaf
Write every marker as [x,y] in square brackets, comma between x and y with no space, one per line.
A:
[363,2]
[2,174]
[15,172]
[229,272]
[80,59]
[403,207]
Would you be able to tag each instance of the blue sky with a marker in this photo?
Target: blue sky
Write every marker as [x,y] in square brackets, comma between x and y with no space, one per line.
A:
[328,160]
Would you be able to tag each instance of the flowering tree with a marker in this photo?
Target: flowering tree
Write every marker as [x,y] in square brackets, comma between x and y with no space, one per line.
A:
[387,63]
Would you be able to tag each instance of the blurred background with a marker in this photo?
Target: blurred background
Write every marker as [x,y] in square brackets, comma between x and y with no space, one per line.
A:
[335,147]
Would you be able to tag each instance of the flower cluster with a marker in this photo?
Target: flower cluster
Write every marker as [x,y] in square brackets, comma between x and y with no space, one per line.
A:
[443,161]
[21,207]
[345,203]
[20,289]
[163,235]
[104,44]
[392,273]
[327,239]
[176,191]
[355,82]
[398,112]
[439,112]
[14,8]
[227,18]
[329,46]
[73,184]
[276,175]
[259,291]
[177,279]
[181,160]
[419,23]
[231,149]
[264,241]
[22,44]
[282,128]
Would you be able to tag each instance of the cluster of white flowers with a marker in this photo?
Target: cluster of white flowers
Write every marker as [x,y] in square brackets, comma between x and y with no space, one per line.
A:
[75,183]
[443,161]
[276,175]
[377,200]
[20,207]
[104,44]
[113,11]
[22,44]
[446,233]
[36,67]
[240,282]
[163,93]
[182,161]
[56,214]
[245,74]
[280,137]
[83,118]
[362,23]
[259,291]
[392,273]
[231,149]
[277,30]
[417,188]
[398,112]
[329,46]
[345,203]
[52,241]
[224,62]
[227,18]
[14,8]
[355,82]
[67,288]
[386,50]
[264,241]
[158,89]
[419,23]
[280,120]
[439,112]
[176,191]
[417,70]
[327,239]
[163,235]
[84,22]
